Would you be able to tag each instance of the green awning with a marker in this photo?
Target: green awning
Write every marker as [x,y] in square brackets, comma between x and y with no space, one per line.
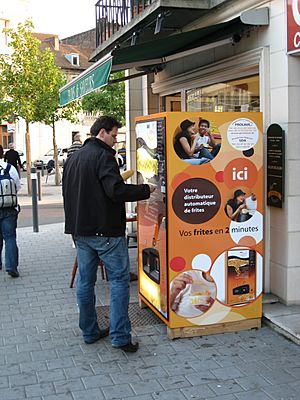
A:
[154,52]
[157,50]
[91,79]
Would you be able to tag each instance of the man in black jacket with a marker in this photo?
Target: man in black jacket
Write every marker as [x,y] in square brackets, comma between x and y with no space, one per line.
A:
[94,202]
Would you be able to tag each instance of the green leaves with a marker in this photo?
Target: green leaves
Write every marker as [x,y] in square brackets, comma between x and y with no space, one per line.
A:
[109,100]
[30,80]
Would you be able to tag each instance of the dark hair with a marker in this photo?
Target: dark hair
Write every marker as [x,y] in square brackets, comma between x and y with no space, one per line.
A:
[186,124]
[1,151]
[205,121]
[107,123]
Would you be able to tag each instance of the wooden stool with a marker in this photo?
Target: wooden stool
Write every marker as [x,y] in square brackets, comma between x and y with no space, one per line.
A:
[75,267]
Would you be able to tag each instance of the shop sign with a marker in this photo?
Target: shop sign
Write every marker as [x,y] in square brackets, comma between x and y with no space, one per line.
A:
[275,166]
[293,26]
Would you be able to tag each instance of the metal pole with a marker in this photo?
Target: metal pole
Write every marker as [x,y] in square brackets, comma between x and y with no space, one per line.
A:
[39,185]
[35,219]
[43,168]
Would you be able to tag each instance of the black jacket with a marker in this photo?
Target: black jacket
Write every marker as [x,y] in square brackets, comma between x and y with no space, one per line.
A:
[95,193]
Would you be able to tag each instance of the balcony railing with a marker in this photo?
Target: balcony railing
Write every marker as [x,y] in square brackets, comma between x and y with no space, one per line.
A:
[112,15]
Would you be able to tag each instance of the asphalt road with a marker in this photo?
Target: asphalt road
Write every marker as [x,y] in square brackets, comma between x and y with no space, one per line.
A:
[48,214]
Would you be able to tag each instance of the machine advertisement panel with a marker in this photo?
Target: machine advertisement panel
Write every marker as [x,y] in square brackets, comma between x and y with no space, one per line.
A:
[207,219]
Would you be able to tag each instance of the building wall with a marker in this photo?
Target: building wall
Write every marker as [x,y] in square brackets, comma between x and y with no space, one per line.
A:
[280,101]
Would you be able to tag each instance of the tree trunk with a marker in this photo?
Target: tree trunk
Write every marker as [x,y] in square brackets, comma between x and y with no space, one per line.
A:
[57,169]
[28,158]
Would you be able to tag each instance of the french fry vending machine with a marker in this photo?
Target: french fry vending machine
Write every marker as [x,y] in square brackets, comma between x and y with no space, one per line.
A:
[200,235]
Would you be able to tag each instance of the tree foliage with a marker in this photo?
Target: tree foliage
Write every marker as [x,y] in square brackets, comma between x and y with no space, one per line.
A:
[30,82]
[109,100]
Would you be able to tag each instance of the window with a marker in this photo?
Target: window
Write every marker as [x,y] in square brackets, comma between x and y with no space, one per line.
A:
[237,95]
[75,60]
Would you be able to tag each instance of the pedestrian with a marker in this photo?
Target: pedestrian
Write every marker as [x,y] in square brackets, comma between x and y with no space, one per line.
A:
[94,203]
[13,157]
[76,145]
[9,210]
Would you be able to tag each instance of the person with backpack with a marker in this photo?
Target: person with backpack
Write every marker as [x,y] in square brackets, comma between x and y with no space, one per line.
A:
[9,210]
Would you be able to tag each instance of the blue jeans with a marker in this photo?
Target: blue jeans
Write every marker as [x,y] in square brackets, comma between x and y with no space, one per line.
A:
[8,226]
[204,152]
[113,252]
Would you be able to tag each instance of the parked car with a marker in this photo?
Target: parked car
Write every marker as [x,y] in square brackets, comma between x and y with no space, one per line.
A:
[22,158]
[43,160]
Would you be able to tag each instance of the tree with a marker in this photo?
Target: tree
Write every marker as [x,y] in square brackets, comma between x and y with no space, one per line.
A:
[28,81]
[57,113]
[110,100]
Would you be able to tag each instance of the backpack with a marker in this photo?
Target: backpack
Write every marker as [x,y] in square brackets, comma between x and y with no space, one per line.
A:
[8,189]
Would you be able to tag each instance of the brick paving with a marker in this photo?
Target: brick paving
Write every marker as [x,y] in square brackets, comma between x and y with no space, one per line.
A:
[43,357]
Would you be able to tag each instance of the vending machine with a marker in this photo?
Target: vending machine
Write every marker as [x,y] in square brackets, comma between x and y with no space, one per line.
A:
[200,234]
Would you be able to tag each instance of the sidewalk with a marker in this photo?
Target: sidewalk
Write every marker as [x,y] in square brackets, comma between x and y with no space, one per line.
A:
[51,194]
[43,357]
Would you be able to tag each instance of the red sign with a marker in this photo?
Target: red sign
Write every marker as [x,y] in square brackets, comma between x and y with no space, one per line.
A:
[293,26]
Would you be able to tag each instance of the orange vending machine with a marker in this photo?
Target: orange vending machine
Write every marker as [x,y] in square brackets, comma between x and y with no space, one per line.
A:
[200,235]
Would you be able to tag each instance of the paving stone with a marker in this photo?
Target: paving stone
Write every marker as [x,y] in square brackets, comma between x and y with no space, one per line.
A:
[106,368]
[181,369]
[145,387]
[77,372]
[169,395]
[3,382]
[89,394]
[253,382]
[41,389]
[201,365]
[51,376]
[227,373]
[201,377]
[277,377]
[43,355]
[174,382]
[17,358]
[225,387]
[121,377]
[117,392]
[97,381]
[140,397]
[15,393]
[198,392]
[152,372]
[64,396]
[67,386]
[281,392]
[24,379]
[60,363]
[9,369]
[251,395]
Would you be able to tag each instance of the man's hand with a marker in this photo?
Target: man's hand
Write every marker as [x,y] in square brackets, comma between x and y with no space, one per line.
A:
[205,308]
[152,187]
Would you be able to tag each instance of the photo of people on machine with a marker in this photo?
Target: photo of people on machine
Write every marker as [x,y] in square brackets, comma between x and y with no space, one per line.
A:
[241,207]
[194,144]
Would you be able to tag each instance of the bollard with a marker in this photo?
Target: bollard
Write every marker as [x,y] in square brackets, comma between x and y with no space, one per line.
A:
[39,185]
[35,219]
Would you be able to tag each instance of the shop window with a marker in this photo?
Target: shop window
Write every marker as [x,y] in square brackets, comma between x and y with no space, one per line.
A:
[232,96]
